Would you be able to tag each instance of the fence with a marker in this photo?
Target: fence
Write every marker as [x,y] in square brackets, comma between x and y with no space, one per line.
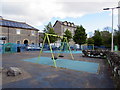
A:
[12,48]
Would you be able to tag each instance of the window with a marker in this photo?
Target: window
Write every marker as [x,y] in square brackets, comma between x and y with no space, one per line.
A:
[65,23]
[3,38]
[69,29]
[33,32]
[65,29]
[72,25]
[68,24]
[72,30]
[18,31]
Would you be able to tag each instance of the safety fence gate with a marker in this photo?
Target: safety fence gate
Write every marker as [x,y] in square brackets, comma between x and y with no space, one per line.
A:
[12,48]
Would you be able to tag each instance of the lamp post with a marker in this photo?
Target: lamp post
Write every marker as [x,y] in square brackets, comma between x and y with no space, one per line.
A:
[112,25]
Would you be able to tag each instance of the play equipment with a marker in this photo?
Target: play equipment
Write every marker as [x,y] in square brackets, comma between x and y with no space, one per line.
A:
[87,46]
[76,65]
[63,47]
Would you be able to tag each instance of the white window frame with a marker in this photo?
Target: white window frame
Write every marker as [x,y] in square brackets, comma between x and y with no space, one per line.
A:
[65,29]
[32,33]
[69,29]
[72,24]
[65,23]
[18,31]
[68,24]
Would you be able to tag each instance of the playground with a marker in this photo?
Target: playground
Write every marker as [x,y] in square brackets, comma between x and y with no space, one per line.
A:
[61,68]
[42,75]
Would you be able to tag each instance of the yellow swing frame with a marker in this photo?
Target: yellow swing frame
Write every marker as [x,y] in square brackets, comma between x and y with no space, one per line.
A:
[47,38]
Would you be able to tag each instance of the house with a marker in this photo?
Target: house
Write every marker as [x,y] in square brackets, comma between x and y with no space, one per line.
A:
[18,32]
[60,27]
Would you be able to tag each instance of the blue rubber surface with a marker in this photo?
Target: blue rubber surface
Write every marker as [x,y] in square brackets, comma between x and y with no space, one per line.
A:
[66,63]
[73,52]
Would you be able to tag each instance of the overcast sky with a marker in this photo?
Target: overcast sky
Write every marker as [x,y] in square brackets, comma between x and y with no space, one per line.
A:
[39,12]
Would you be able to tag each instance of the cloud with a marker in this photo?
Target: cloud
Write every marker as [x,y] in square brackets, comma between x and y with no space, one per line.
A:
[37,12]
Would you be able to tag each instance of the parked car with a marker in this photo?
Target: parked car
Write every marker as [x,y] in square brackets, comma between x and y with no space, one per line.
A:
[33,47]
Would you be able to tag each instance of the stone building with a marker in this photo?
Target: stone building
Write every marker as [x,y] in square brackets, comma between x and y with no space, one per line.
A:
[18,32]
[41,37]
[60,27]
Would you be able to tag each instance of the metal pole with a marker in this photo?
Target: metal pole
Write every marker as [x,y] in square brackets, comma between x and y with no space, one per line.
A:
[112,43]
[69,48]
[42,48]
[112,32]
[53,57]
[62,46]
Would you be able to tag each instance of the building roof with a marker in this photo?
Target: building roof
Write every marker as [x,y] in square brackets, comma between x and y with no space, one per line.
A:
[65,23]
[15,24]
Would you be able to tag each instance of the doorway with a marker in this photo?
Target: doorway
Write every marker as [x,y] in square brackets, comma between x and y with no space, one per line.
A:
[26,42]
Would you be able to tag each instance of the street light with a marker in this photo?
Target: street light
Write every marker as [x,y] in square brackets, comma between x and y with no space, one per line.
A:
[112,25]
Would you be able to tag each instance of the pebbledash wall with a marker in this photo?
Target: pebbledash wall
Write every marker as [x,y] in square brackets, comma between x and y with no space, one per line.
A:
[60,27]
[18,34]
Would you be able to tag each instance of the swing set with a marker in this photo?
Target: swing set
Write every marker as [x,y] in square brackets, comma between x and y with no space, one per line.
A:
[61,48]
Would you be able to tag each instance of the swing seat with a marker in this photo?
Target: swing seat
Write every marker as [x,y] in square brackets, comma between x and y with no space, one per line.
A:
[61,56]
[54,58]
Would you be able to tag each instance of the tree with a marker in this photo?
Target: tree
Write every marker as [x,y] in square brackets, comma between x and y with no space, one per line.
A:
[49,29]
[107,29]
[68,34]
[119,27]
[80,35]
[97,38]
[90,41]
[106,38]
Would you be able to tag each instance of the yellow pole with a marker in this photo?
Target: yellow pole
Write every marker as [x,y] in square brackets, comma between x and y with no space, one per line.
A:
[51,51]
[69,48]
[61,46]
[41,48]
[93,47]
[54,35]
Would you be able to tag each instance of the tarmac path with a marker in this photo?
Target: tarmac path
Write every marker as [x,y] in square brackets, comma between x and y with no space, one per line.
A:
[43,76]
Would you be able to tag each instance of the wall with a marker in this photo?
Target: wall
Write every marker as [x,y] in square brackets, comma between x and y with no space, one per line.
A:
[60,29]
[64,28]
[57,28]
[25,34]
